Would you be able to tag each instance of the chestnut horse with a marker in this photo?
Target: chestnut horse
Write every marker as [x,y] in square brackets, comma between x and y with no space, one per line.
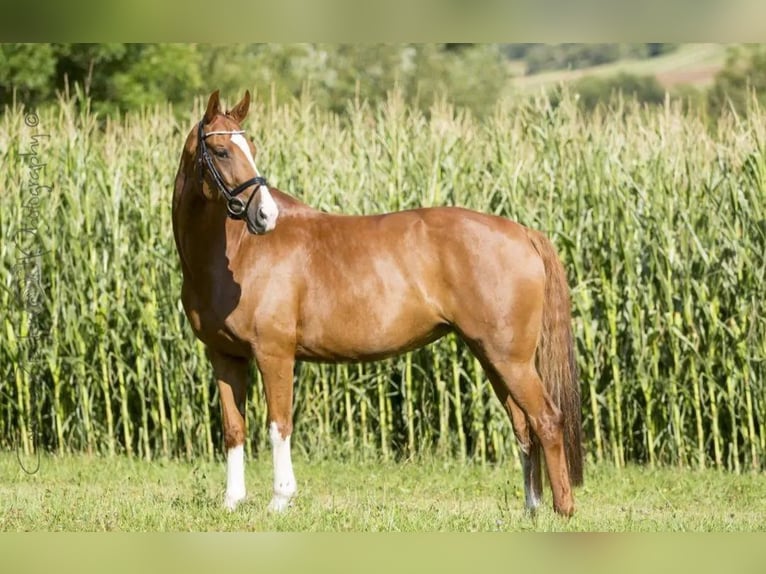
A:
[268,278]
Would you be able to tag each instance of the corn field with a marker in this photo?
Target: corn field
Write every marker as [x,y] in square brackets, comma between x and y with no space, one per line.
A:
[658,216]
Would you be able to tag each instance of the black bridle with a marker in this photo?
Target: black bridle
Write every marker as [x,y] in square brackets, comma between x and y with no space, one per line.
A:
[236,208]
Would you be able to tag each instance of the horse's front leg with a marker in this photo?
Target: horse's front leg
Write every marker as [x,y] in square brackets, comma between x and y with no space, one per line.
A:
[277,372]
[231,376]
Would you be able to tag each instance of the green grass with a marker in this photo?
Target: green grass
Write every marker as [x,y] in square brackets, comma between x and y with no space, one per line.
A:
[83,493]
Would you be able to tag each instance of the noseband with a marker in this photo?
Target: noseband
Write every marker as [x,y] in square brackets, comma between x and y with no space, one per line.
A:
[236,208]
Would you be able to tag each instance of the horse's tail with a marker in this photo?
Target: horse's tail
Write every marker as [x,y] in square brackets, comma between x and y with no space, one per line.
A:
[555,357]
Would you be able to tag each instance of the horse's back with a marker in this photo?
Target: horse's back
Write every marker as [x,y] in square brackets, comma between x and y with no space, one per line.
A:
[478,243]
[446,249]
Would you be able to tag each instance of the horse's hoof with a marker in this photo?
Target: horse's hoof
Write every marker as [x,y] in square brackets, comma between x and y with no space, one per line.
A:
[531,511]
[279,504]
[565,511]
[230,501]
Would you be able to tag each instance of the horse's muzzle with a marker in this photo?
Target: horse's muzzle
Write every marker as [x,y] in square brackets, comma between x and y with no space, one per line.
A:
[262,214]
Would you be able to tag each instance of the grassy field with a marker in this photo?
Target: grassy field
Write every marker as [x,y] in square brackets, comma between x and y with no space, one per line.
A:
[82,493]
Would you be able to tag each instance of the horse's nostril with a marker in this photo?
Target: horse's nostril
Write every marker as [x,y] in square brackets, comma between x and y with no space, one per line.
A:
[261,213]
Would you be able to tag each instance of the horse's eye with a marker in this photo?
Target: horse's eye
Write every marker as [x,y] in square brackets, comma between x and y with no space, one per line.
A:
[221,152]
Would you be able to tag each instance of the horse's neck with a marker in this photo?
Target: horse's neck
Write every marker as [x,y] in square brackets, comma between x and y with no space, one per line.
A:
[205,239]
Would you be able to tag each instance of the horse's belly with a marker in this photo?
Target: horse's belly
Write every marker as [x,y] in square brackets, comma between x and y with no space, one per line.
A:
[363,335]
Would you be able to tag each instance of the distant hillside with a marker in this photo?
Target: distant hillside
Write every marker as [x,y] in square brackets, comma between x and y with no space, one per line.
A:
[689,64]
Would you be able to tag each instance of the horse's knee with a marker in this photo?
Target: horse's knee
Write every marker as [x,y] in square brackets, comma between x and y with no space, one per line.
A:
[535,408]
[551,423]
[280,429]
[233,435]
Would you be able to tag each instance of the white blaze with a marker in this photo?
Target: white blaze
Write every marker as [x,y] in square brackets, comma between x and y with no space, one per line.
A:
[284,479]
[235,476]
[268,207]
[240,141]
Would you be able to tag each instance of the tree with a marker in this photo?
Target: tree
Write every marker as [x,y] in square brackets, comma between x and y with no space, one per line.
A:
[540,57]
[155,73]
[120,77]
[744,74]
[26,72]
[89,65]
[594,90]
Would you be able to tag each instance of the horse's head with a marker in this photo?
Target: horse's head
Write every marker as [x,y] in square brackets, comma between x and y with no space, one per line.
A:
[229,175]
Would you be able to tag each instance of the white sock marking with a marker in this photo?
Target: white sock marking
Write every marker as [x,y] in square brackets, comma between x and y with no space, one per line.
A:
[235,476]
[284,479]
[268,207]
[531,499]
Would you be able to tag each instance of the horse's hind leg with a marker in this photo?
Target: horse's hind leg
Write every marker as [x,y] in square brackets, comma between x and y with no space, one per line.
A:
[544,419]
[530,447]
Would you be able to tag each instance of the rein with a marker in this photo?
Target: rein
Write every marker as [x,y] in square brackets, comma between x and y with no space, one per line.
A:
[236,208]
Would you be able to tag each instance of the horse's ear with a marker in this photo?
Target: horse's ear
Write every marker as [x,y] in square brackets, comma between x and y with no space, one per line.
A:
[213,106]
[239,112]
